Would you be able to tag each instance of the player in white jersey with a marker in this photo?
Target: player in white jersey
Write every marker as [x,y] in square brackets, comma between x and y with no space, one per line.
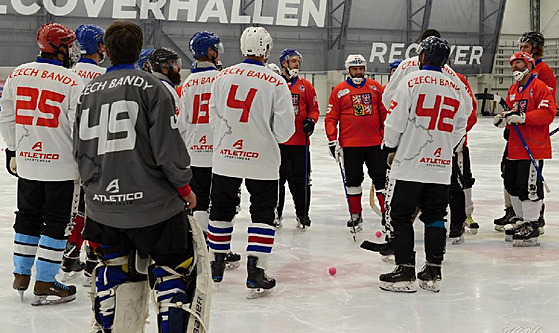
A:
[251,112]
[92,49]
[425,121]
[38,110]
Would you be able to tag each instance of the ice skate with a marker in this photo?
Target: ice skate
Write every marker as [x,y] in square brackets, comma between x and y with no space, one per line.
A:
[402,279]
[430,277]
[512,228]
[71,263]
[21,283]
[456,236]
[47,293]
[218,267]
[504,220]
[303,223]
[232,260]
[258,282]
[471,225]
[278,222]
[527,235]
[354,223]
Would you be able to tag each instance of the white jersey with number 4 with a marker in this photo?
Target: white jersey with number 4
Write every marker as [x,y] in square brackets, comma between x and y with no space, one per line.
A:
[426,120]
[38,109]
[195,113]
[251,112]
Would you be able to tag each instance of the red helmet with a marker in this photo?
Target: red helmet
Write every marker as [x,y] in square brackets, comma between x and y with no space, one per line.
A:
[51,35]
[528,59]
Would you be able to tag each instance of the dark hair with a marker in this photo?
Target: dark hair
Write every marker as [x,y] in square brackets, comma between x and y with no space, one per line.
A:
[430,32]
[124,40]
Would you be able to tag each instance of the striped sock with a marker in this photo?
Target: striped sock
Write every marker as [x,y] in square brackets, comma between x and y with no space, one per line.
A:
[219,236]
[25,249]
[49,258]
[260,241]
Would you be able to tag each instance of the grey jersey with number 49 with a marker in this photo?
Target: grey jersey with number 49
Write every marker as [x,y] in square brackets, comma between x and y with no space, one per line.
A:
[130,154]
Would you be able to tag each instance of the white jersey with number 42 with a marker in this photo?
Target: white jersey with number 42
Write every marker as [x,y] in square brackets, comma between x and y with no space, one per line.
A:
[251,112]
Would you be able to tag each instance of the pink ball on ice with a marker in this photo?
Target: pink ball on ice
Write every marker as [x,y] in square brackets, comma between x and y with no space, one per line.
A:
[332,270]
[378,234]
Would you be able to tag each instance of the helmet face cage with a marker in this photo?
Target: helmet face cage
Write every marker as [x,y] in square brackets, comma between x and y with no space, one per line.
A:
[436,51]
[89,36]
[202,41]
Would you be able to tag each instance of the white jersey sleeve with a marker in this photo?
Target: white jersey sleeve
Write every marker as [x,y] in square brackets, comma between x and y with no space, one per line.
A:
[88,71]
[407,66]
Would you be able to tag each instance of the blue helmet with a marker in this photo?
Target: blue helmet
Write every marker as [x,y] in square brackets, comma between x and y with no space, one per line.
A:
[394,64]
[89,36]
[436,51]
[143,58]
[285,54]
[201,41]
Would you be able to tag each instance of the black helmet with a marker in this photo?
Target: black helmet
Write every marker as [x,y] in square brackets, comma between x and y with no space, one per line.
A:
[534,37]
[436,51]
[163,57]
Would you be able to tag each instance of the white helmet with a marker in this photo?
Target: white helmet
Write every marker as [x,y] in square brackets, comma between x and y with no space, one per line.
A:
[256,41]
[355,60]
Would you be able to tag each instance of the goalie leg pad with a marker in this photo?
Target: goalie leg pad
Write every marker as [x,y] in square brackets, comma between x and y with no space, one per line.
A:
[131,308]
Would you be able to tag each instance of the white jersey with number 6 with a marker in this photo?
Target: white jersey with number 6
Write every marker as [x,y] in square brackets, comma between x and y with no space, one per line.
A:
[38,109]
[426,120]
[251,112]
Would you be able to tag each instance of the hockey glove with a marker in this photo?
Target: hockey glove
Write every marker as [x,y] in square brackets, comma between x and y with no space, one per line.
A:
[499,121]
[516,118]
[308,126]
[389,153]
[11,165]
[334,149]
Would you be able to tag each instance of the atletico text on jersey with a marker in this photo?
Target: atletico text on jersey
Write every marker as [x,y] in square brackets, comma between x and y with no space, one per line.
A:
[543,72]
[126,123]
[411,65]
[305,105]
[359,113]
[250,109]
[37,122]
[535,100]
[425,121]
[88,69]
[195,114]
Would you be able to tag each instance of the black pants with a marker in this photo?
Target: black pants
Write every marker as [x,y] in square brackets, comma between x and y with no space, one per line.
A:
[225,198]
[522,180]
[295,168]
[44,207]
[432,200]
[355,157]
[460,180]
[200,184]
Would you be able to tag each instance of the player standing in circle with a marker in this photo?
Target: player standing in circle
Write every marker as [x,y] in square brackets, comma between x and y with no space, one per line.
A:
[251,112]
[533,109]
[295,165]
[92,49]
[354,126]
[137,189]
[36,122]
[425,121]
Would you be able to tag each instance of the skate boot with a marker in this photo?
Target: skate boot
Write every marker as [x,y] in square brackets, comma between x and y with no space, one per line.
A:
[429,277]
[527,235]
[258,282]
[90,264]
[502,221]
[278,222]
[541,221]
[471,225]
[303,223]
[71,262]
[456,236]
[47,293]
[354,224]
[510,229]
[232,260]
[21,283]
[218,266]
[402,279]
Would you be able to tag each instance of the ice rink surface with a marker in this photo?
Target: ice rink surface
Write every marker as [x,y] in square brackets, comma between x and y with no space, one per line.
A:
[488,286]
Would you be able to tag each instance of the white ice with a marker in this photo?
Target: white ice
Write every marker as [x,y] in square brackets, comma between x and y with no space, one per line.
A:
[488,286]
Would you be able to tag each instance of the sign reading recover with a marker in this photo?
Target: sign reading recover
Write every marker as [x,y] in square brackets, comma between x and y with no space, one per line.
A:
[459,54]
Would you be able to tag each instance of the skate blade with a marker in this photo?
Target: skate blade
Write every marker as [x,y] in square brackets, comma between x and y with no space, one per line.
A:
[355,230]
[499,227]
[472,231]
[525,242]
[87,282]
[388,258]
[457,240]
[258,292]
[301,227]
[51,299]
[541,230]
[430,285]
[508,238]
[229,265]
[21,292]
[399,287]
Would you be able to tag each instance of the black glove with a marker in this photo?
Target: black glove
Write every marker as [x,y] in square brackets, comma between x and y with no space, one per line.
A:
[388,154]
[9,155]
[308,126]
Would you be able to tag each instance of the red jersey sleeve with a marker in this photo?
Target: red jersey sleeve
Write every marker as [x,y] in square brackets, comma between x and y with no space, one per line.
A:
[312,102]
[332,116]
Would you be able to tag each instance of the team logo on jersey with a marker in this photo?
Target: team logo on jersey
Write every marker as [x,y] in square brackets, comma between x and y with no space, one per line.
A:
[113,186]
[362,104]
[343,92]
[302,88]
[202,146]
[295,102]
[115,197]
[239,153]
[437,152]
[38,146]
[202,140]
[521,105]
[238,144]
[373,88]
